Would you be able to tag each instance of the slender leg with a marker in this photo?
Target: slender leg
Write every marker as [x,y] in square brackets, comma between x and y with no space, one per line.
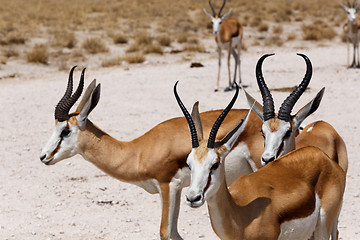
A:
[239,60]
[357,52]
[218,76]
[175,196]
[347,57]
[354,54]
[236,57]
[165,225]
[228,64]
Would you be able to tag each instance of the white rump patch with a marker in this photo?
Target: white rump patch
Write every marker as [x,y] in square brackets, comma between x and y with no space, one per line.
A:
[302,228]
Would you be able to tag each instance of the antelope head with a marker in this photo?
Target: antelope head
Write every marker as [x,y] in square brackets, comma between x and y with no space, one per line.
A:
[351,10]
[63,142]
[217,19]
[279,130]
[207,157]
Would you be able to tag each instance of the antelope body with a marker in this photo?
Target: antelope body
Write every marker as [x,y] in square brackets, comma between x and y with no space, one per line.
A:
[155,161]
[291,198]
[351,30]
[228,35]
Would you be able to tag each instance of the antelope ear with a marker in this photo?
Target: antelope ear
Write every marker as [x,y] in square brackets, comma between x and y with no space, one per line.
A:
[90,104]
[226,14]
[229,140]
[345,8]
[308,109]
[255,105]
[208,14]
[86,95]
[195,115]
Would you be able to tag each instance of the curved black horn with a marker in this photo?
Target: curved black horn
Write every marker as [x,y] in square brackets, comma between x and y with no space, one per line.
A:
[67,101]
[220,119]
[288,104]
[223,5]
[268,102]
[194,138]
[212,8]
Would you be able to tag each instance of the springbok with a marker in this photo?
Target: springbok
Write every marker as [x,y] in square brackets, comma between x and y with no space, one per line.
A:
[228,35]
[351,30]
[292,198]
[156,166]
[281,131]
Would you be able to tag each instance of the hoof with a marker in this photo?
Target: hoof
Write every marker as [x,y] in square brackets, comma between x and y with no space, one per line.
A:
[215,90]
[244,86]
[228,89]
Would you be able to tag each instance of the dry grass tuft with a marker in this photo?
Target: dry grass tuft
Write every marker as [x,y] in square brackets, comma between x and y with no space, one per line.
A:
[116,61]
[11,52]
[319,30]
[153,48]
[263,27]
[120,39]
[143,39]
[15,38]
[94,46]
[134,58]
[277,29]
[133,48]
[291,36]
[274,39]
[63,38]
[38,54]
[194,48]
[182,38]
[164,40]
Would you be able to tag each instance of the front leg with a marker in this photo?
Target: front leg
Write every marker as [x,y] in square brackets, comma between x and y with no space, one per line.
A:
[228,63]
[218,76]
[170,197]
[236,57]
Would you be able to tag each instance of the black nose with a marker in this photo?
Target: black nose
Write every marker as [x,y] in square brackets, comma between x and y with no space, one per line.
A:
[196,199]
[266,161]
[42,157]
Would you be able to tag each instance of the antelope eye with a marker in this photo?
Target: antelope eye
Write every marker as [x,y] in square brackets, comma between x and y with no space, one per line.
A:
[215,166]
[65,132]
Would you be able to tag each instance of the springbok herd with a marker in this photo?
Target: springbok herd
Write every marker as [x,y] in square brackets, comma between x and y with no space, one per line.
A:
[262,174]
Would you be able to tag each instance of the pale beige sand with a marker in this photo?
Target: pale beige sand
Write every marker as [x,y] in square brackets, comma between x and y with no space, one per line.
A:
[61,201]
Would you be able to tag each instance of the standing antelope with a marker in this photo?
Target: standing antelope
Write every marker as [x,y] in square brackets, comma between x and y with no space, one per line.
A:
[155,161]
[292,198]
[352,31]
[280,131]
[228,35]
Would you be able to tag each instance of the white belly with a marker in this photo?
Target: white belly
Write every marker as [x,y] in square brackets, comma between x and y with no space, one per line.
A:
[301,228]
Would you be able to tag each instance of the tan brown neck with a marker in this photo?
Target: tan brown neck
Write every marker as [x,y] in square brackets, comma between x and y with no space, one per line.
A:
[116,158]
[227,218]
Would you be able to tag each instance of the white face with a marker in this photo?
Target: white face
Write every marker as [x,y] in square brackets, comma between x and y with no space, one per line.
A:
[278,140]
[351,14]
[205,177]
[216,22]
[62,143]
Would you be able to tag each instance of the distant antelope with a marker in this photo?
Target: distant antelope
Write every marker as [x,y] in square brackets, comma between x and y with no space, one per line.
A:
[289,199]
[155,161]
[228,35]
[352,31]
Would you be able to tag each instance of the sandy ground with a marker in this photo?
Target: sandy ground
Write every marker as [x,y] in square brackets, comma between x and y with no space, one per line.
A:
[75,200]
